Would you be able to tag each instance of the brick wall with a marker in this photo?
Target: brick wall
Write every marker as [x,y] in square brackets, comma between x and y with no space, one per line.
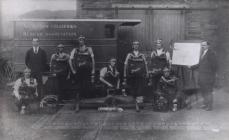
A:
[223,45]
[201,24]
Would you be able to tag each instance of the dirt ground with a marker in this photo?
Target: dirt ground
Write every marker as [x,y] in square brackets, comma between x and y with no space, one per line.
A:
[89,124]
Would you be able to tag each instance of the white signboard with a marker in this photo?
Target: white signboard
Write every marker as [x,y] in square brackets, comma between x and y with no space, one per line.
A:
[187,54]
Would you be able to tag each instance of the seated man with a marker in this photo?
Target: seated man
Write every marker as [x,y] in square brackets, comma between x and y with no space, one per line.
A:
[167,87]
[109,76]
[25,91]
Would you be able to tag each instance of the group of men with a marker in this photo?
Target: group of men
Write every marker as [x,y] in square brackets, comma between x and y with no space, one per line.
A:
[81,63]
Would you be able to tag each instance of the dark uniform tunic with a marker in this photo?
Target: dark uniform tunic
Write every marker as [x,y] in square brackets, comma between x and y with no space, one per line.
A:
[159,62]
[136,72]
[59,65]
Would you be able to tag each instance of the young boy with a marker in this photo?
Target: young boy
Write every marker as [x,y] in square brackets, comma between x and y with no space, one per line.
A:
[25,91]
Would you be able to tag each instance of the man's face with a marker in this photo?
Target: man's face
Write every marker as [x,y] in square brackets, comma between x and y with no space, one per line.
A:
[60,49]
[81,41]
[35,43]
[204,45]
[166,73]
[158,45]
[113,62]
[27,74]
[135,46]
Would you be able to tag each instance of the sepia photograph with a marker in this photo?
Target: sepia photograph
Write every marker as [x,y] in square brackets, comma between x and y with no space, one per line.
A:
[114,69]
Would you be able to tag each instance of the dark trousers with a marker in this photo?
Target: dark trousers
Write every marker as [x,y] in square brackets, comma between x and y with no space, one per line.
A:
[206,92]
[136,85]
[60,84]
[206,83]
[155,80]
[83,80]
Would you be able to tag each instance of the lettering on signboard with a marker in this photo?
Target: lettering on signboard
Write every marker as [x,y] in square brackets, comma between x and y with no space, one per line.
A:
[46,30]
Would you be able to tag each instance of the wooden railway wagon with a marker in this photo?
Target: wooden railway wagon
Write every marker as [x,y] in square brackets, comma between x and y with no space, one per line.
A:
[101,35]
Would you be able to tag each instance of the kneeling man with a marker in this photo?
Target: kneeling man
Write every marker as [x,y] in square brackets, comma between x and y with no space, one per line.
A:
[25,91]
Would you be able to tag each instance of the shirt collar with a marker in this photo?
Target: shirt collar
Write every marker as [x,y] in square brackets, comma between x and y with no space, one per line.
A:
[136,53]
[35,48]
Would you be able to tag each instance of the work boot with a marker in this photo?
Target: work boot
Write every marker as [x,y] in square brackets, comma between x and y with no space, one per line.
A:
[22,112]
[208,108]
[204,106]
[137,107]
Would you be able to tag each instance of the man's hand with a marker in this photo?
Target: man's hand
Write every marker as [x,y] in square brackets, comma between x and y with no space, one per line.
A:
[189,67]
[147,75]
[18,97]
[73,71]
[124,82]
[110,85]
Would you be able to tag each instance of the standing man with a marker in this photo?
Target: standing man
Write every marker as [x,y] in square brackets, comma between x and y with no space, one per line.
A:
[135,71]
[160,58]
[60,66]
[82,64]
[207,74]
[36,61]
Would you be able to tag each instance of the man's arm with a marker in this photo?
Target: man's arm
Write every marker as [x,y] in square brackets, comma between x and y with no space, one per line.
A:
[70,61]
[44,58]
[27,59]
[168,58]
[51,62]
[126,65]
[103,72]
[152,55]
[16,87]
[146,66]
[118,83]
[93,61]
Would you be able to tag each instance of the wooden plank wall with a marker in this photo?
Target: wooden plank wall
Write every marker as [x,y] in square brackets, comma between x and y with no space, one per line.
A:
[165,24]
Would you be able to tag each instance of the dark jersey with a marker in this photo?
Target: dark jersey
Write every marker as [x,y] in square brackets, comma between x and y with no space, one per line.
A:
[111,75]
[159,61]
[82,58]
[136,65]
[59,63]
